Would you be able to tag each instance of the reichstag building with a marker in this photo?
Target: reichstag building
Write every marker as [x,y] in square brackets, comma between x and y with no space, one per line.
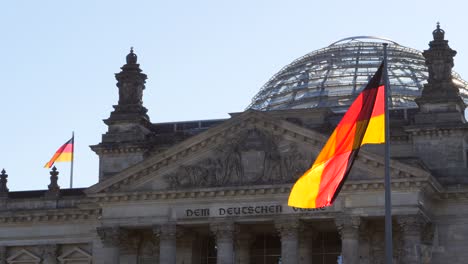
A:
[216,191]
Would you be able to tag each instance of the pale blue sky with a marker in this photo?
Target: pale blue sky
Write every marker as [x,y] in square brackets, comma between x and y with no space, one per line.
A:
[204,59]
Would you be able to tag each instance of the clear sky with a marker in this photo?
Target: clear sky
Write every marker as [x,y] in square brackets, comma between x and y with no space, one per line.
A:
[204,59]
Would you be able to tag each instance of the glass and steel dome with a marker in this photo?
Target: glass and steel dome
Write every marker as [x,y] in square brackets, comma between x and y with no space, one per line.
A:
[333,76]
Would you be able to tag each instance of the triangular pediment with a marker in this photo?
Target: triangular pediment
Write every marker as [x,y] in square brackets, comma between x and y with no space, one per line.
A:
[24,256]
[249,149]
[74,255]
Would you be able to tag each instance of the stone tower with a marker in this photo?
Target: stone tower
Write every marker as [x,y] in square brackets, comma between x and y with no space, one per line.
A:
[440,119]
[440,100]
[125,142]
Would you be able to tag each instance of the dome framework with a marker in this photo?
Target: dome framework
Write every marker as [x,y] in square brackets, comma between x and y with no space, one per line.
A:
[333,76]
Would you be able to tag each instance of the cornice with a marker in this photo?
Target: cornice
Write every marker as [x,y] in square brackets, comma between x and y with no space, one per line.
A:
[399,138]
[50,216]
[116,148]
[421,183]
[459,194]
[439,130]
[208,193]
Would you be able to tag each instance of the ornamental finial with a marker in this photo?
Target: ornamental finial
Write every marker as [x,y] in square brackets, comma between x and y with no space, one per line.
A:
[438,33]
[3,184]
[131,57]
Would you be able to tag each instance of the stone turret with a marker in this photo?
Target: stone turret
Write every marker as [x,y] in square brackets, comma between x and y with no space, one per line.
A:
[3,184]
[53,188]
[440,119]
[125,142]
[131,83]
[440,101]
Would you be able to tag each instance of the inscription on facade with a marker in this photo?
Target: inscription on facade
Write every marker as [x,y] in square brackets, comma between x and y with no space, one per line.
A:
[250,210]
[197,212]
[246,210]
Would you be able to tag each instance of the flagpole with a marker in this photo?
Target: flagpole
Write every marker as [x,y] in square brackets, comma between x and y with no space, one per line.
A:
[73,158]
[388,194]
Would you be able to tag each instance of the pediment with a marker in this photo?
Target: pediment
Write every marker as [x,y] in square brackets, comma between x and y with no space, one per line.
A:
[254,156]
[74,255]
[24,256]
[252,148]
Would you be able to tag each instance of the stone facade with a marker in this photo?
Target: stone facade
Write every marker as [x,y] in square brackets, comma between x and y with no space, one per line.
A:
[215,191]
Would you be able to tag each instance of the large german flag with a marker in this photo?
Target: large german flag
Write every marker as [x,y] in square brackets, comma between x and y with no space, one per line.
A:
[364,123]
[64,153]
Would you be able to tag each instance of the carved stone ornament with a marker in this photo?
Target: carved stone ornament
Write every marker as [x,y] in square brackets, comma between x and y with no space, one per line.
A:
[165,231]
[250,158]
[223,231]
[149,248]
[53,187]
[288,228]
[131,82]
[439,61]
[412,225]
[412,228]
[110,236]
[348,226]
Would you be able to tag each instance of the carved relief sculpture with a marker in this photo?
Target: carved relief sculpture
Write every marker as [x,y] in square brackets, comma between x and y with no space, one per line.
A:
[250,158]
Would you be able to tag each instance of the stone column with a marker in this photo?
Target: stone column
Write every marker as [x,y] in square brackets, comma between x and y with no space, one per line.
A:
[348,227]
[289,233]
[224,233]
[364,244]
[305,245]
[110,239]
[3,255]
[167,242]
[411,230]
[185,239]
[49,254]
[243,242]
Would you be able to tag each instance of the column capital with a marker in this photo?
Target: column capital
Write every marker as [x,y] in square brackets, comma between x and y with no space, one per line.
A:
[412,229]
[165,231]
[412,224]
[288,227]
[110,235]
[223,230]
[166,234]
[348,225]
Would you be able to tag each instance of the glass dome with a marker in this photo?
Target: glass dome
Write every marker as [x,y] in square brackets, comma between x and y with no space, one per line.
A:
[333,76]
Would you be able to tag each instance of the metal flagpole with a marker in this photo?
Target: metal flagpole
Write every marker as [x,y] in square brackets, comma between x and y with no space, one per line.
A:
[73,158]
[388,194]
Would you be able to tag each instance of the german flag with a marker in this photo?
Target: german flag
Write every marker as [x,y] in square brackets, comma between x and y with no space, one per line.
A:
[363,123]
[63,154]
